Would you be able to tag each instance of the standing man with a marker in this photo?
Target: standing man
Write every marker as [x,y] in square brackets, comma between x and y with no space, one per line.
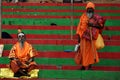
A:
[22,57]
[87,30]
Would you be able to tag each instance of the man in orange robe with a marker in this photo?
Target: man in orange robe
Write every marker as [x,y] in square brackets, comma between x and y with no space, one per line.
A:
[22,57]
[87,53]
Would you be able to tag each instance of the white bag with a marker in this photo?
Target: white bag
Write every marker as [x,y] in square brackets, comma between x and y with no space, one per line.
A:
[1,49]
[76,47]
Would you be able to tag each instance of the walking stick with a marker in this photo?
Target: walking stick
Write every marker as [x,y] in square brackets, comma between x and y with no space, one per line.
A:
[92,43]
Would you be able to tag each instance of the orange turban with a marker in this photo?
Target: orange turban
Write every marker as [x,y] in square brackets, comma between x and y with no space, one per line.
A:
[90,5]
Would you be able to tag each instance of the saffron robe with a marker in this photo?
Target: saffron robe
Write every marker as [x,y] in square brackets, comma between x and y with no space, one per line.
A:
[23,55]
[87,53]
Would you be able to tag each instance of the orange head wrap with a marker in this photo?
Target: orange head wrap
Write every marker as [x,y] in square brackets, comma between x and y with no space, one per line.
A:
[90,5]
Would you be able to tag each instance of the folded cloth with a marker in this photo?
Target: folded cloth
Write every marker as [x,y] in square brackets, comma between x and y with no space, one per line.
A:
[1,49]
[8,73]
[94,32]
[76,47]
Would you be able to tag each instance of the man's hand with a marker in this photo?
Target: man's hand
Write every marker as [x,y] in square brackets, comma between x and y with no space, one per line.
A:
[90,24]
[78,38]
[13,58]
[27,62]
[19,63]
[30,60]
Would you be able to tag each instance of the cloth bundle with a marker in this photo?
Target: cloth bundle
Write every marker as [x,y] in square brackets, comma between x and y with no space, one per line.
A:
[99,42]
[94,32]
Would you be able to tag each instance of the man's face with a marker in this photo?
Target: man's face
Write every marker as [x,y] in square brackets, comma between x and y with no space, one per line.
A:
[21,37]
[90,12]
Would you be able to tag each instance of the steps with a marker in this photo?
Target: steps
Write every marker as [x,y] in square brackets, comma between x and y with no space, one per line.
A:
[48,29]
[53,42]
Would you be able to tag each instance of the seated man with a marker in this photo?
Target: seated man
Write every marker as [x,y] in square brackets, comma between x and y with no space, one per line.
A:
[22,57]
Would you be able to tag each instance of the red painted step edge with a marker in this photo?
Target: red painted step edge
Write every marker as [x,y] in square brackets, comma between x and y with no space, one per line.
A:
[38,27]
[101,68]
[39,16]
[53,54]
[56,42]
[45,36]
[57,4]
[54,36]
[51,67]
[45,42]
[54,10]
[117,28]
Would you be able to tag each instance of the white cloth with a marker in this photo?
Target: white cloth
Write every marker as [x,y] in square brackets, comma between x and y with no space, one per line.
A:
[76,47]
[1,49]
[14,1]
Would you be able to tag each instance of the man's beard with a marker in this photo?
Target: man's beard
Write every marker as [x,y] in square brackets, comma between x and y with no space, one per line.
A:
[22,43]
[90,15]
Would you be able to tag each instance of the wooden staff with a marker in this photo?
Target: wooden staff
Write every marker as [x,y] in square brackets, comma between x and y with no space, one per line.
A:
[92,43]
[71,32]
[0,20]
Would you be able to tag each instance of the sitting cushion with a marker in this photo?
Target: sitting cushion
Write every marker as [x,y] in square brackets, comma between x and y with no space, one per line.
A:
[7,73]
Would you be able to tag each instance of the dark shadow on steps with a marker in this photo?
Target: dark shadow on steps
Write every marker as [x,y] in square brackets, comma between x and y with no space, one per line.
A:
[5,35]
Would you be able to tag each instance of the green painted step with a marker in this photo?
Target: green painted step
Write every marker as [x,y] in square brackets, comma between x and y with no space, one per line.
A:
[58,32]
[70,61]
[41,13]
[45,47]
[56,13]
[65,61]
[61,47]
[48,21]
[79,75]
[61,7]
[35,21]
